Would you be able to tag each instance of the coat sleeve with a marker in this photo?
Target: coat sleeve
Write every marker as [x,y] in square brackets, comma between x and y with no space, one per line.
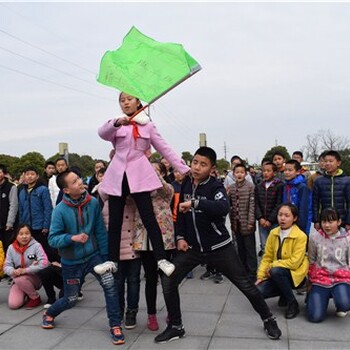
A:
[312,249]
[251,214]
[2,260]
[267,259]
[107,130]
[41,262]
[13,200]
[347,200]
[258,211]
[58,237]
[315,201]
[9,264]
[304,207]
[47,207]
[279,195]
[166,151]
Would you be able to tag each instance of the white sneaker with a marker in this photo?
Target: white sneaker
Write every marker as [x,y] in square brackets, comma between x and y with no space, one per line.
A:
[46,306]
[107,266]
[341,313]
[167,267]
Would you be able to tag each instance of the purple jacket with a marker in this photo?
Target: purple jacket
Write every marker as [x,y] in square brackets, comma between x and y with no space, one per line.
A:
[130,158]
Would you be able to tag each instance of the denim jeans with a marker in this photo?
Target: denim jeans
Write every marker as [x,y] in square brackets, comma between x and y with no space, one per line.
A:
[318,299]
[73,277]
[279,284]
[129,271]
[263,234]
[225,260]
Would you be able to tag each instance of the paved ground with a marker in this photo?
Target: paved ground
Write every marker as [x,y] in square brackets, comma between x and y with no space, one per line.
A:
[215,317]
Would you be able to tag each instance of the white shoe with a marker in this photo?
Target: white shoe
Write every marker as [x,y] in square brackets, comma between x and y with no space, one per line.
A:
[46,306]
[167,267]
[107,266]
[341,313]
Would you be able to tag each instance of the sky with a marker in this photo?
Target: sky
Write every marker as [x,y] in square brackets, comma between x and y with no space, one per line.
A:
[272,73]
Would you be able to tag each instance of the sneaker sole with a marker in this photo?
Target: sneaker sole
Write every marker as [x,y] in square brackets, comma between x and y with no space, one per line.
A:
[48,326]
[171,339]
[130,327]
[271,337]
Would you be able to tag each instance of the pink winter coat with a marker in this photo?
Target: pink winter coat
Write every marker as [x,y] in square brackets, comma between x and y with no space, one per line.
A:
[130,158]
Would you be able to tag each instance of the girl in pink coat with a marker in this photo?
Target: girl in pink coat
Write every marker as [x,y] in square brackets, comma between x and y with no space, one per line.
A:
[130,172]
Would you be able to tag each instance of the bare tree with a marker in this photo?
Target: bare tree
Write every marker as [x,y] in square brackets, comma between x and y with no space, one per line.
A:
[324,140]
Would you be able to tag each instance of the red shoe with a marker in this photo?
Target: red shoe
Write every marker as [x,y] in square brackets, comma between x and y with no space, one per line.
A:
[152,322]
[32,303]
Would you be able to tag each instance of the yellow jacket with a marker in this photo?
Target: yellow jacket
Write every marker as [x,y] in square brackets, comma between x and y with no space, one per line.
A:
[2,259]
[293,254]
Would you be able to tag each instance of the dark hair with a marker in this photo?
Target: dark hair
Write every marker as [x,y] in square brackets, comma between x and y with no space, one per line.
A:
[61,158]
[297,165]
[49,162]
[239,166]
[298,153]
[101,161]
[162,167]
[293,208]
[236,157]
[101,171]
[75,169]
[31,168]
[329,214]
[266,160]
[274,166]
[334,154]
[16,232]
[207,152]
[61,179]
[322,155]
[138,107]
[278,153]
[3,168]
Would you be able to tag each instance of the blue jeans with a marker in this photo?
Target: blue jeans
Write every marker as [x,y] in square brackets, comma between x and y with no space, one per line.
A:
[263,234]
[129,271]
[318,299]
[225,260]
[279,284]
[73,277]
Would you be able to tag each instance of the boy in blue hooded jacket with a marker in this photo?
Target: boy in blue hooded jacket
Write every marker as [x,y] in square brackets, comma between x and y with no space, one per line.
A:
[78,232]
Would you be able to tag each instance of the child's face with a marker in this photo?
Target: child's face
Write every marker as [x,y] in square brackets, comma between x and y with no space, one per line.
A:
[330,227]
[98,166]
[128,104]
[268,173]
[50,170]
[31,177]
[239,174]
[285,218]
[23,236]
[74,186]
[290,172]
[331,164]
[61,166]
[99,177]
[201,168]
[278,160]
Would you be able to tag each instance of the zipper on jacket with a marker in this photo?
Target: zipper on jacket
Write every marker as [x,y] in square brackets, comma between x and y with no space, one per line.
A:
[194,219]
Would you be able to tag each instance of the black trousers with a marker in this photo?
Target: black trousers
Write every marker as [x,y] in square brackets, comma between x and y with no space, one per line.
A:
[225,260]
[116,212]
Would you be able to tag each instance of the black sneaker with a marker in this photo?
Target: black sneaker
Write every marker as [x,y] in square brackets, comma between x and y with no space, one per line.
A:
[218,278]
[207,275]
[170,333]
[130,319]
[271,328]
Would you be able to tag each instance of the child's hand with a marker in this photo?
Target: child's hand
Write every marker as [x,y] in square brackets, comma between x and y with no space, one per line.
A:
[267,224]
[258,281]
[182,245]
[262,222]
[184,207]
[80,238]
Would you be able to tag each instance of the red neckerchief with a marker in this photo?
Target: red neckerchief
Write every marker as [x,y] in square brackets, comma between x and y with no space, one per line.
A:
[135,130]
[79,206]
[20,249]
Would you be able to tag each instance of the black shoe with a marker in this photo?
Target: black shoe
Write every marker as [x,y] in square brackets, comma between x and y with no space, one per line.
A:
[207,275]
[218,278]
[130,318]
[282,302]
[170,333]
[292,310]
[260,254]
[271,328]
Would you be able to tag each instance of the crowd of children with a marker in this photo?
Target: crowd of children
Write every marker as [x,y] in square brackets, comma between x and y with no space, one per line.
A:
[169,218]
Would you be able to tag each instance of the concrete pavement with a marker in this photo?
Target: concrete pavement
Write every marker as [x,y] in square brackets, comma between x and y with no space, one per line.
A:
[215,317]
